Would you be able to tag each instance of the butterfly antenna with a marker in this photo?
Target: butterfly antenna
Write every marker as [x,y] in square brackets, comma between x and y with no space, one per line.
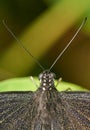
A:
[84,21]
[20,43]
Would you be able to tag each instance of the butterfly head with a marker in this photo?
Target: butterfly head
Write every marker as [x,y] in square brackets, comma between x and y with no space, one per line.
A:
[47,80]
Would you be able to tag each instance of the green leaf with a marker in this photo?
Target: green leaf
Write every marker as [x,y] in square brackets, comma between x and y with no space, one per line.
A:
[26,84]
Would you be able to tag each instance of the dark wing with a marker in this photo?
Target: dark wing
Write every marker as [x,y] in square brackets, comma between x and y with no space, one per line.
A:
[69,111]
[75,110]
[15,110]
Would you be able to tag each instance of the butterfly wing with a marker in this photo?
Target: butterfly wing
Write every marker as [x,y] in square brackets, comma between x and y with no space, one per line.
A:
[75,107]
[15,110]
[66,111]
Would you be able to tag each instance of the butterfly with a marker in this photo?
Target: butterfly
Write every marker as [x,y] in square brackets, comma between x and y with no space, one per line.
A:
[46,108]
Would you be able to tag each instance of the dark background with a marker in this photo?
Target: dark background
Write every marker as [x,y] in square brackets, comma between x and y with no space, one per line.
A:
[45,27]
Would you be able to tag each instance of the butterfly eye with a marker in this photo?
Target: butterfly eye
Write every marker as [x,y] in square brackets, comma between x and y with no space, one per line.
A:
[40,76]
[53,75]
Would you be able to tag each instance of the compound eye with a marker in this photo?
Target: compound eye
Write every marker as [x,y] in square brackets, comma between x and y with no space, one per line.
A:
[53,75]
[40,76]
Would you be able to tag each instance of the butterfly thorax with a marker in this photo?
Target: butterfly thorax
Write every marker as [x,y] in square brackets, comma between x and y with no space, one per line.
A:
[45,100]
[46,80]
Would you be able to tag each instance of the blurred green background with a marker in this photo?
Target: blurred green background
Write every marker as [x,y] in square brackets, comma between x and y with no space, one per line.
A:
[45,27]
